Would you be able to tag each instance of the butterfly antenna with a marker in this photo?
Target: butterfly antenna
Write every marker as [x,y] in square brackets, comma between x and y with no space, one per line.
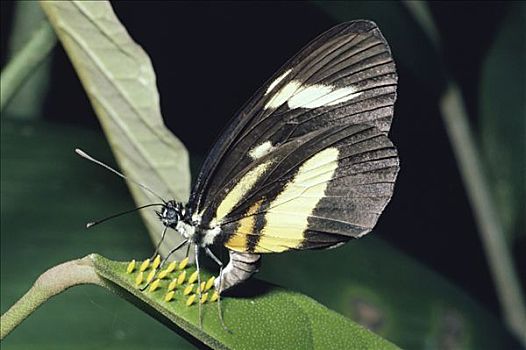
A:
[93,223]
[90,158]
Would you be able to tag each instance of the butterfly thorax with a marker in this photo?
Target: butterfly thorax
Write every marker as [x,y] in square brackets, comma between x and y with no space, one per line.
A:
[177,216]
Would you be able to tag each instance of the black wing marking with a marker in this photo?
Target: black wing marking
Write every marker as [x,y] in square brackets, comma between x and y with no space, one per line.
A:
[352,54]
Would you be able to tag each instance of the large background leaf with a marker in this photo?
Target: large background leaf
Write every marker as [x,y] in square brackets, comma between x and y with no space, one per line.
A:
[120,82]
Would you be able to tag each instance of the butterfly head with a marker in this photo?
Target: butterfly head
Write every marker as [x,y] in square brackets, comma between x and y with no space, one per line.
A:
[171,213]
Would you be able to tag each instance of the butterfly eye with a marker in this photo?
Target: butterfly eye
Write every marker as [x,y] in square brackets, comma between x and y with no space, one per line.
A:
[170,215]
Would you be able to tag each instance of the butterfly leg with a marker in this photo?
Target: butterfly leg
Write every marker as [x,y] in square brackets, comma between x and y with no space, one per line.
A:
[159,244]
[173,251]
[198,285]
[211,255]
[187,251]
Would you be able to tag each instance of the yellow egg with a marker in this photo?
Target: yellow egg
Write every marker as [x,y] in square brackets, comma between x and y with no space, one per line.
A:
[214,296]
[190,300]
[209,283]
[169,296]
[154,285]
[145,264]
[139,278]
[188,289]
[172,285]
[163,274]
[156,262]
[193,277]
[151,275]
[183,263]
[171,266]
[131,266]
[181,278]
[204,297]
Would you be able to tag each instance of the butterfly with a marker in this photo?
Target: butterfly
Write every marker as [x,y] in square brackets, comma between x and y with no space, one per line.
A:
[305,164]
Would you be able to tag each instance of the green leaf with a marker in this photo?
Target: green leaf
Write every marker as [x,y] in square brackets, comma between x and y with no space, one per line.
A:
[398,298]
[503,120]
[120,82]
[270,318]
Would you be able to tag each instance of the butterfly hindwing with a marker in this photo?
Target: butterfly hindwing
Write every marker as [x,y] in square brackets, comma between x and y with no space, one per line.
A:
[314,192]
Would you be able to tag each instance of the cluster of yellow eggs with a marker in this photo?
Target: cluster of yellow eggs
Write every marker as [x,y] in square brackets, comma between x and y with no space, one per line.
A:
[149,277]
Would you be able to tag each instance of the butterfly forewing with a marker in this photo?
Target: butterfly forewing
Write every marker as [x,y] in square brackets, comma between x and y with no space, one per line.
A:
[344,76]
[306,163]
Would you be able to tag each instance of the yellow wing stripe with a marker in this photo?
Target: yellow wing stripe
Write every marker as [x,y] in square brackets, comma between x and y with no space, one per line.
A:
[239,240]
[239,190]
[300,196]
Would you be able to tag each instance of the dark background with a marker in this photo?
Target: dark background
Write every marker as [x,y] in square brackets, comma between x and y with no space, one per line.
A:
[210,57]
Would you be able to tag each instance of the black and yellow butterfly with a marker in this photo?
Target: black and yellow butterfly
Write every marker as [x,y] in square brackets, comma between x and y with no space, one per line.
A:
[306,163]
